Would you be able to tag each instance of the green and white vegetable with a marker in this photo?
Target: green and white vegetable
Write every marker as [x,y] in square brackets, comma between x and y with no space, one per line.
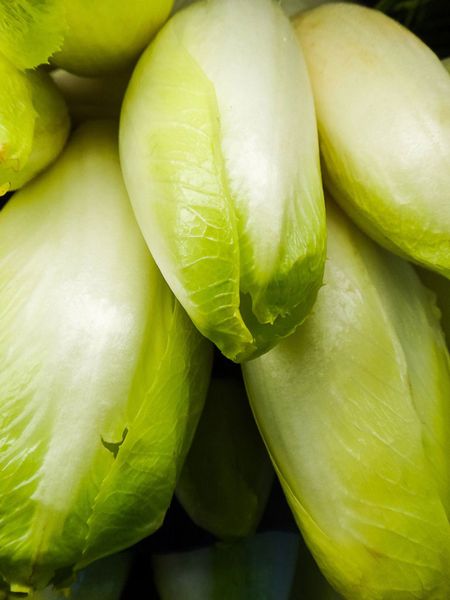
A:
[227,475]
[355,411]
[103,375]
[220,158]
[34,125]
[383,108]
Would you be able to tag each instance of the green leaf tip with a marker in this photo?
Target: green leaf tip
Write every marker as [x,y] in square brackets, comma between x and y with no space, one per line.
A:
[31,31]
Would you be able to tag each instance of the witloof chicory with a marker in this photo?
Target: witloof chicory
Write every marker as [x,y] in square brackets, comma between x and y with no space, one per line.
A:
[103,375]
[355,411]
[382,99]
[220,158]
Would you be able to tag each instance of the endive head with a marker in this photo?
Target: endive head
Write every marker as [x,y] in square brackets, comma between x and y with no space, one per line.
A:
[220,157]
[103,375]
[34,124]
[354,409]
[383,108]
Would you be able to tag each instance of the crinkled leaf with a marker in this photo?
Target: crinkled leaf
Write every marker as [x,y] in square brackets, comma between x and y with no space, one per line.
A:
[31,30]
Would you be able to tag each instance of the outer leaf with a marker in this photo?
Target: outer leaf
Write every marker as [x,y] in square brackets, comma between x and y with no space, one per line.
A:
[30,30]
[102,376]
[220,159]
[354,409]
[227,476]
[383,109]
[51,128]
[107,35]
[446,63]
[259,567]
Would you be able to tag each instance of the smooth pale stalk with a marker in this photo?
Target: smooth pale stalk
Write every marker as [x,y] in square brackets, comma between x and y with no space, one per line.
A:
[355,411]
[34,125]
[383,108]
[227,476]
[102,375]
[219,152]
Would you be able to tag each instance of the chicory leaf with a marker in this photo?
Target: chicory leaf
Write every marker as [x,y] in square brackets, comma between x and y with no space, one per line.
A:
[30,31]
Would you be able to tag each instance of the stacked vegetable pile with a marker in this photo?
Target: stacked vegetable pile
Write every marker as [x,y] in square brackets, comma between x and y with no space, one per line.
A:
[130,249]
